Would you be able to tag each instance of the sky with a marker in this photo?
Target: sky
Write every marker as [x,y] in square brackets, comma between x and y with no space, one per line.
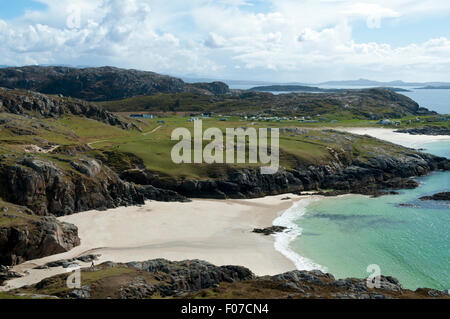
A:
[269,40]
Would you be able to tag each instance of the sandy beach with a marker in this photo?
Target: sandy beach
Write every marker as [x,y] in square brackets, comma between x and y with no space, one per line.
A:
[216,231]
[404,139]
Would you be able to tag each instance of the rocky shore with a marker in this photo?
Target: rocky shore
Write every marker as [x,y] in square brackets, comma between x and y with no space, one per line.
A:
[445,196]
[370,177]
[198,279]
[47,189]
[427,130]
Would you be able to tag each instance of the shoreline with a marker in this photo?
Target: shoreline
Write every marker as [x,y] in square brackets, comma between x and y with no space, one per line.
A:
[219,232]
[283,240]
[390,135]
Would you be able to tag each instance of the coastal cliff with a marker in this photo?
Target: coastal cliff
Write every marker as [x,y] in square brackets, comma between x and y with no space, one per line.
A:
[47,189]
[343,176]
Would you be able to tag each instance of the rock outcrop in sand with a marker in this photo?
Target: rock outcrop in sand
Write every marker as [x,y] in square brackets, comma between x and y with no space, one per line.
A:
[35,239]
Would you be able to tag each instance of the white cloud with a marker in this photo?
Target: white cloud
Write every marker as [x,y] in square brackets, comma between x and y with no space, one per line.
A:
[293,40]
[374,13]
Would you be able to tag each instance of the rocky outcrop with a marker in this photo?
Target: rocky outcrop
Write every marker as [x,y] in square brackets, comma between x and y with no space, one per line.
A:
[270,230]
[46,189]
[182,277]
[214,88]
[445,196]
[427,130]
[361,177]
[36,239]
[68,263]
[99,84]
[6,274]
[27,102]
[198,279]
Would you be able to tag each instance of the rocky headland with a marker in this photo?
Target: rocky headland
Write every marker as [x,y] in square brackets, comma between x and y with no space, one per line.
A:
[427,130]
[369,177]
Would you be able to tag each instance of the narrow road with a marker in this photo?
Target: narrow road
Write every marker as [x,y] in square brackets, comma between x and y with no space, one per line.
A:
[145,134]
[153,131]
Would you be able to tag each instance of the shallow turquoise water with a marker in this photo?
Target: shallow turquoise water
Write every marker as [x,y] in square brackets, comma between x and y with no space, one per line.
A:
[347,234]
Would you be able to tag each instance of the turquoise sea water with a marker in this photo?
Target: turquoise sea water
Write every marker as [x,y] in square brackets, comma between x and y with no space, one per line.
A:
[349,233]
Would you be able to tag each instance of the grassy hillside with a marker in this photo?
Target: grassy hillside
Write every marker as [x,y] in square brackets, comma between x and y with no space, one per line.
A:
[352,104]
[301,143]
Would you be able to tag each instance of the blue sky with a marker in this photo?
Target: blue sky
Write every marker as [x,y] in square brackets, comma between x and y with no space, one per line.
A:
[16,8]
[400,32]
[282,40]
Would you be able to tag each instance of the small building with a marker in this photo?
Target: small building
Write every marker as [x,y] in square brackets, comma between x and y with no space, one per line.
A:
[142,116]
[385,122]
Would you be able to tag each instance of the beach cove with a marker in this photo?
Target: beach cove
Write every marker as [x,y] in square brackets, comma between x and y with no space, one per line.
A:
[216,231]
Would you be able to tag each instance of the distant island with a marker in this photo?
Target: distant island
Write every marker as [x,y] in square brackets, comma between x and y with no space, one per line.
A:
[293,88]
[367,83]
[310,89]
[435,87]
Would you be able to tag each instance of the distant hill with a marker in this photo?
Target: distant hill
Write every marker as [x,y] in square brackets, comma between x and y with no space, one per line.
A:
[303,88]
[370,104]
[365,82]
[100,84]
[291,88]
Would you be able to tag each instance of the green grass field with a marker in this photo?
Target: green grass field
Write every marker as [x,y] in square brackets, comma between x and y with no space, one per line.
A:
[153,143]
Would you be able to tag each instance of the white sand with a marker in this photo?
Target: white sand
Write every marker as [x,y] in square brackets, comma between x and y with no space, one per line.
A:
[404,139]
[219,232]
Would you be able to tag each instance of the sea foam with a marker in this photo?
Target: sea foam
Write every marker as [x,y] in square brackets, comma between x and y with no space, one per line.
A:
[283,240]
